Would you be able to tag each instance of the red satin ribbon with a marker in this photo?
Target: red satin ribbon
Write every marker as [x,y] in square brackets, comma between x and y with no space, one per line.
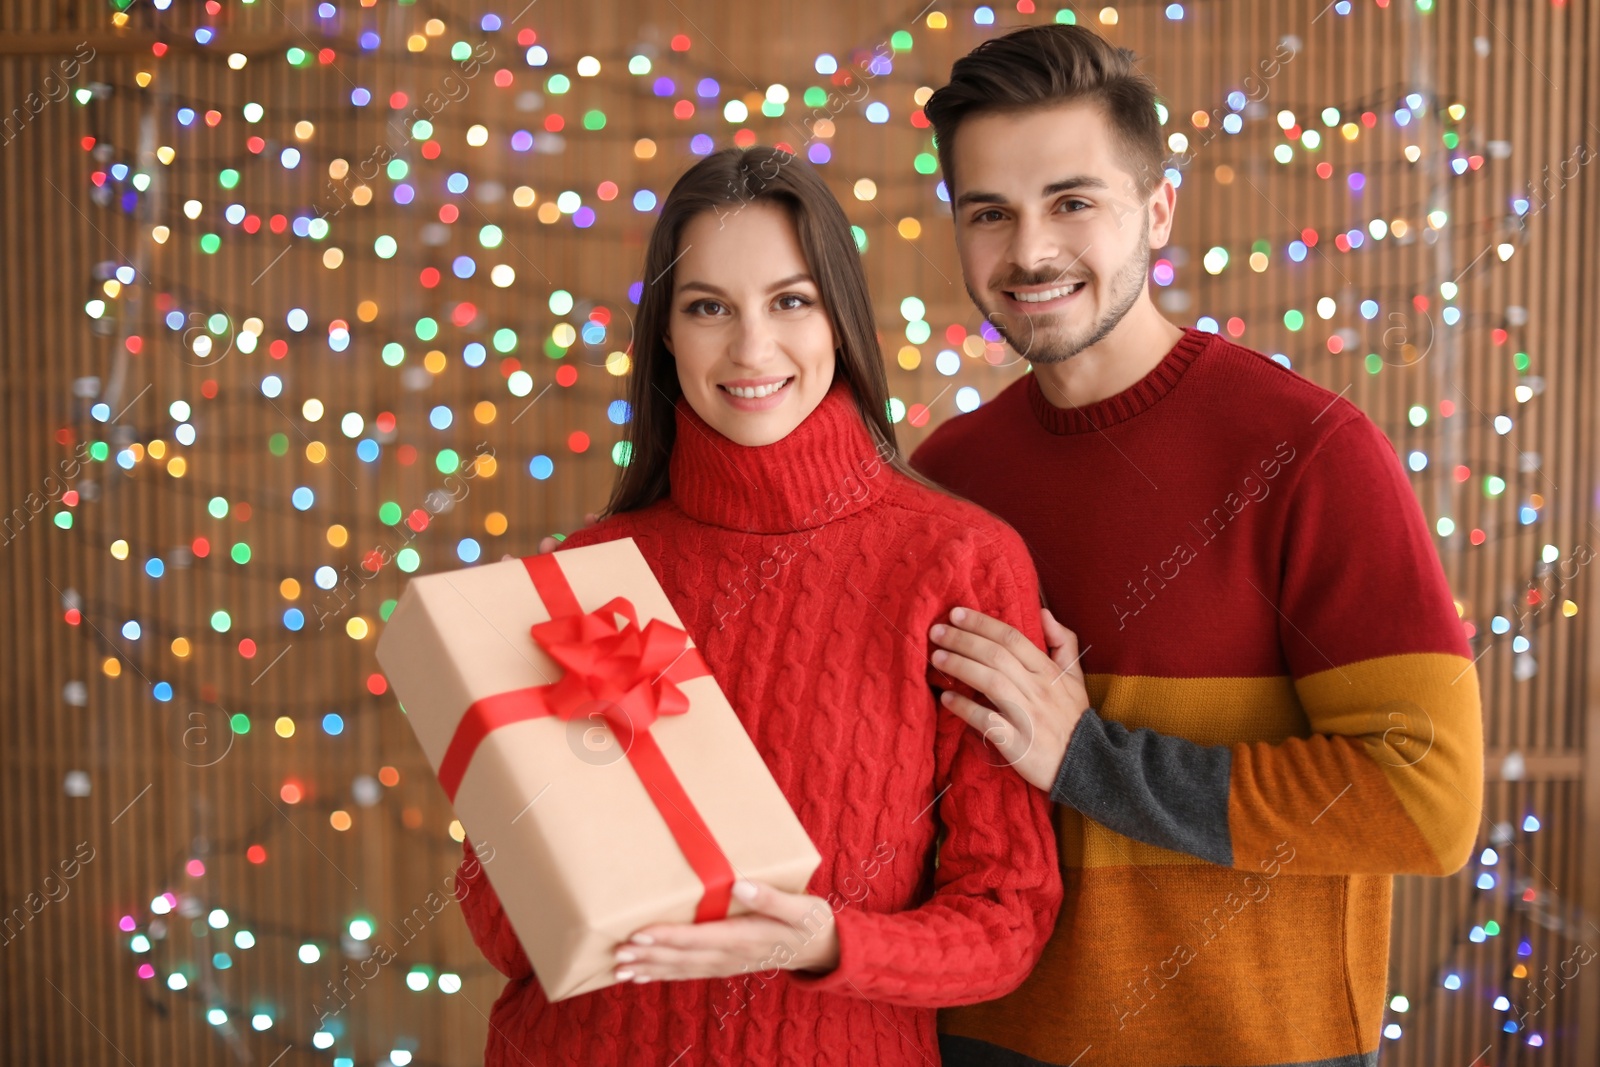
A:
[629,677]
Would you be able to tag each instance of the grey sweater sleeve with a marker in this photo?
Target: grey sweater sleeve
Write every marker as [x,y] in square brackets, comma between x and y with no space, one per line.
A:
[1155,788]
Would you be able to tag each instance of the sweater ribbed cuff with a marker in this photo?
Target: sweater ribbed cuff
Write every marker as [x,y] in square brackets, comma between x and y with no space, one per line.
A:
[852,955]
[1060,789]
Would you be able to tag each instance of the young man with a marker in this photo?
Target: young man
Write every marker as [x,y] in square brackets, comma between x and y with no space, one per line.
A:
[1285,712]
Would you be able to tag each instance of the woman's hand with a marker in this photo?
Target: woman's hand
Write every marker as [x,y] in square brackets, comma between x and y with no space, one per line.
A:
[788,931]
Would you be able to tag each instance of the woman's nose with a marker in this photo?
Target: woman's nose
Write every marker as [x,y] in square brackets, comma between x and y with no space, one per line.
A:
[752,342]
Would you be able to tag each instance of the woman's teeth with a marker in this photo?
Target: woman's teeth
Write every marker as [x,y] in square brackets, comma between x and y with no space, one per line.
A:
[1048,294]
[757,392]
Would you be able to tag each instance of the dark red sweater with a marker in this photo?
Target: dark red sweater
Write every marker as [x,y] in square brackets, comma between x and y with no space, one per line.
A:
[808,573]
[1287,712]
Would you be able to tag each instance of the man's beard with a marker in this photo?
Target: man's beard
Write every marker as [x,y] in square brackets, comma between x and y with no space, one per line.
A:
[1044,345]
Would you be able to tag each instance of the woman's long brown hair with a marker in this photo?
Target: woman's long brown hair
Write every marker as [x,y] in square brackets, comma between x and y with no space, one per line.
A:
[724,182]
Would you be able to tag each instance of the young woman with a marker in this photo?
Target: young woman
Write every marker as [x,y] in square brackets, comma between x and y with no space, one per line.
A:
[808,563]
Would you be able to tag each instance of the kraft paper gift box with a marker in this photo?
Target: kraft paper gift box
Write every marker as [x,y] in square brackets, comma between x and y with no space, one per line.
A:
[578,732]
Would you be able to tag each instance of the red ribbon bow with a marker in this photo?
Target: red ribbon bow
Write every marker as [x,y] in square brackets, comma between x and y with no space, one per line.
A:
[623,668]
[630,676]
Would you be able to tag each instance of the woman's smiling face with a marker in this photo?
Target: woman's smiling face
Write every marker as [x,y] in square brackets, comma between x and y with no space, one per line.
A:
[753,344]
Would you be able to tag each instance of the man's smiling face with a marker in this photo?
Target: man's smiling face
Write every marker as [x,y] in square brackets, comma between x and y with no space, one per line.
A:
[1053,232]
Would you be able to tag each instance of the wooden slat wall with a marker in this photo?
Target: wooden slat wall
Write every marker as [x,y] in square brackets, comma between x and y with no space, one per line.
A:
[166,786]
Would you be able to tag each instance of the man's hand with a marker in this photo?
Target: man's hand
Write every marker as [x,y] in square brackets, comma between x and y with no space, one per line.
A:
[549,544]
[1039,698]
[791,931]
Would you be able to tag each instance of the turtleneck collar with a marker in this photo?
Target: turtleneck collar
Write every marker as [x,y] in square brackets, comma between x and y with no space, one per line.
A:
[825,469]
[1138,397]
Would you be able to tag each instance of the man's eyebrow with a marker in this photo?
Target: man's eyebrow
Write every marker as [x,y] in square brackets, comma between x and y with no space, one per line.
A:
[781,283]
[1076,181]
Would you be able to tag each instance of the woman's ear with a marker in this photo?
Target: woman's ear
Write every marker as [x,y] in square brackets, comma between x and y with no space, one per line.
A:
[666,342]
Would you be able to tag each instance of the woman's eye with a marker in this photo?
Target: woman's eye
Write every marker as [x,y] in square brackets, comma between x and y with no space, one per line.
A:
[705,306]
[798,302]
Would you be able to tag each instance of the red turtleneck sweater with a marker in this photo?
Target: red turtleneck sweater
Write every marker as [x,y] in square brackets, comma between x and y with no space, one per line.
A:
[809,573]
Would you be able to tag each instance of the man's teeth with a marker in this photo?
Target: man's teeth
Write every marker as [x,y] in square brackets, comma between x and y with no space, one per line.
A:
[1048,294]
[756,392]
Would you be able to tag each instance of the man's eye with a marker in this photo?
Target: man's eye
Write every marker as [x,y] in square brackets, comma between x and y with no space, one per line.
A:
[984,216]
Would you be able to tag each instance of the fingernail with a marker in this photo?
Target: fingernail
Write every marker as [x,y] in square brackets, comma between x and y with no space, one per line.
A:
[624,956]
[642,939]
[956,614]
[940,656]
[947,697]
[641,980]
[744,890]
[937,632]
[623,976]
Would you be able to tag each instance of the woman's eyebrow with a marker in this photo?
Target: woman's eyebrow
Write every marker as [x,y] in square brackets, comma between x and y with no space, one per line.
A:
[779,284]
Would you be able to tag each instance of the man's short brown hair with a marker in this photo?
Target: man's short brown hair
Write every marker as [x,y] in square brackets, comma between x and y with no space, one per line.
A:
[1042,66]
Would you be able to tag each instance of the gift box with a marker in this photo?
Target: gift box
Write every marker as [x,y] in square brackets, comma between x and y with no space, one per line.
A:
[576,729]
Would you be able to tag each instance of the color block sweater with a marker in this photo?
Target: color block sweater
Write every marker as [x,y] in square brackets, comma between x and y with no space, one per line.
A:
[1287,713]
[808,573]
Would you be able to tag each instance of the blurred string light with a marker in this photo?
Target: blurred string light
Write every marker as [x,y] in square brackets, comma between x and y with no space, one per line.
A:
[440,173]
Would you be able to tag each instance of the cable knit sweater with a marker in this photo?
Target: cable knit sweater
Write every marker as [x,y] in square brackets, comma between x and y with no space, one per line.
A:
[808,572]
